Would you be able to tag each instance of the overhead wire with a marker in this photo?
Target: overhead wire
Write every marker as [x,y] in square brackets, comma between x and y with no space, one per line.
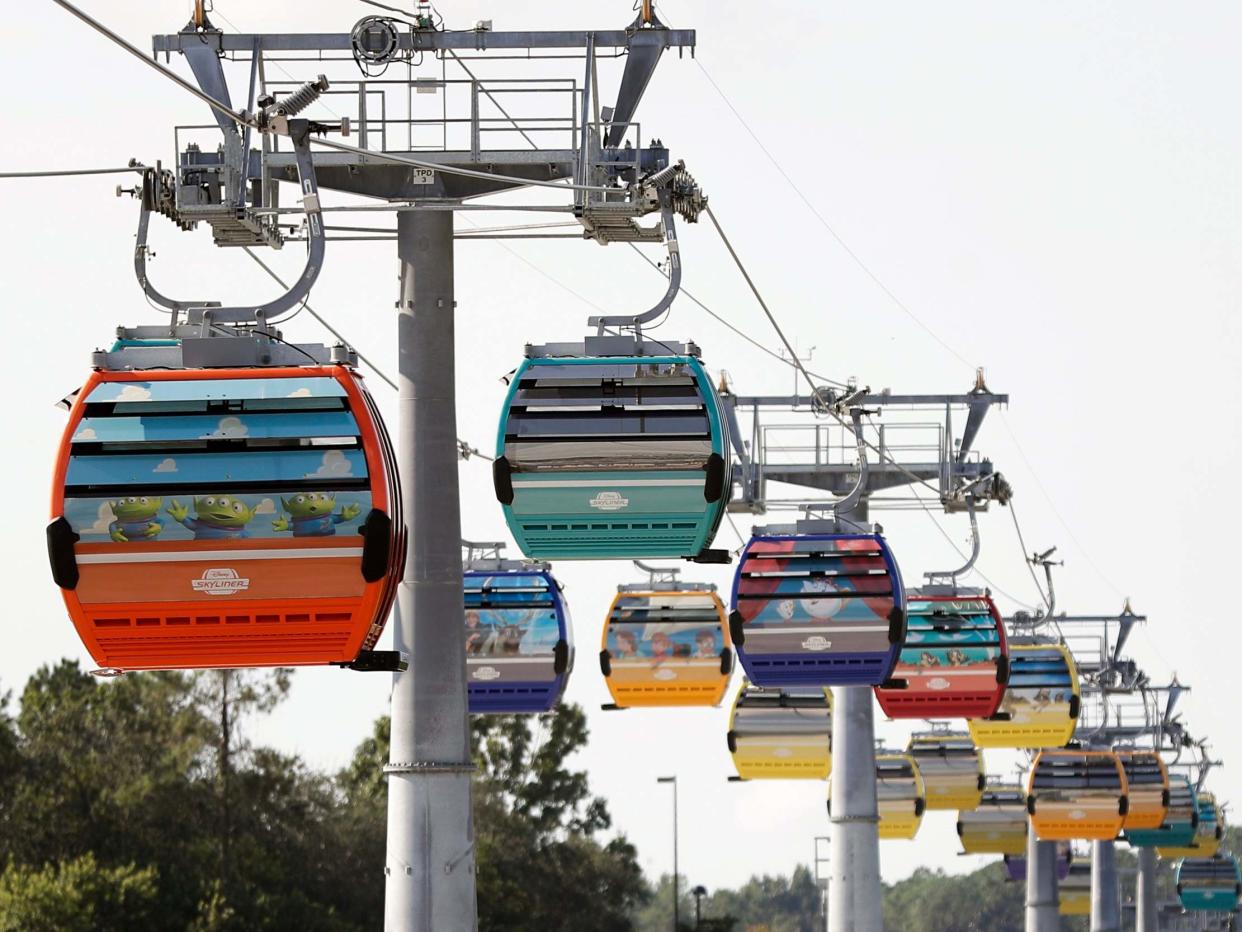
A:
[461,444]
[793,354]
[1027,557]
[66,172]
[840,241]
[884,456]
[559,284]
[275,64]
[1055,511]
[737,330]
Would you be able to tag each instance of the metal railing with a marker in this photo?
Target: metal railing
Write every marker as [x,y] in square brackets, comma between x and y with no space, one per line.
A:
[465,114]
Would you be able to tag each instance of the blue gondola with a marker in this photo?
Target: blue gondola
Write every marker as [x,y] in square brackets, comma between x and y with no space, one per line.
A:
[518,640]
[1209,884]
[817,609]
[612,456]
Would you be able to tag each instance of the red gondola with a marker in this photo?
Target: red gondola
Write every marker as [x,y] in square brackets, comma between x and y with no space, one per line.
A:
[954,662]
[226,517]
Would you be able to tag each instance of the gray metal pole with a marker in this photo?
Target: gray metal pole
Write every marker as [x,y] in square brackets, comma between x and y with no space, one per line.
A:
[430,872]
[1041,885]
[1146,915]
[854,900]
[676,867]
[1105,888]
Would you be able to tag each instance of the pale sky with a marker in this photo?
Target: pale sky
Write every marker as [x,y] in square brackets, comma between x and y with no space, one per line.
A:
[1052,189]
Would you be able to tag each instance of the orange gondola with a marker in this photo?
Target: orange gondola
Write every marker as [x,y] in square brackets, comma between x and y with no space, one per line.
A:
[226,518]
[1149,789]
[666,643]
[1077,794]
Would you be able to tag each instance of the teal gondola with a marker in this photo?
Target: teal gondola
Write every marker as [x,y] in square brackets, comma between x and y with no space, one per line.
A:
[613,457]
[1209,884]
[1180,823]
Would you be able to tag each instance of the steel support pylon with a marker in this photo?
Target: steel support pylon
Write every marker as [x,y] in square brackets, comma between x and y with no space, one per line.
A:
[855,893]
[430,873]
[1105,888]
[1146,914]
[1041,885]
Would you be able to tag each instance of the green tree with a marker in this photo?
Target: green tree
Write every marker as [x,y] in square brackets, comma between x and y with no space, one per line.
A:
[78,896]
[540,866]
[108,769]
[783,904]
[932,901]
[657,912]
[149,770]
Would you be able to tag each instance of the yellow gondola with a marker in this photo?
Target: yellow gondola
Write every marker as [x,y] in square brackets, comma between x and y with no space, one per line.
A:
[781,734]
[667,645]
[951,767]
[998,825]
[1074,892]
[1040,705]
[1209,832]
[1077,794]
[900,795]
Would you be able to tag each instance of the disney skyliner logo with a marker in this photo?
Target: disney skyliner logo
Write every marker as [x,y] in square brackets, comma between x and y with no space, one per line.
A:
[220,582]
[609,501]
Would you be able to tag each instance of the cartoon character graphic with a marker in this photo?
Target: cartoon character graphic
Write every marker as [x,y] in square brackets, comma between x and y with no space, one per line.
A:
[661,647]
[137,518]
[310,514]
[476,636]
[627,645]
[824,608]
[510,640]
[705,644]
[957,657]
[217,517]
[928,659]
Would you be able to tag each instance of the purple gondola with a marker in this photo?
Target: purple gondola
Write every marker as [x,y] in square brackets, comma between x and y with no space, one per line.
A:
[518,640]
[817,610]
[1015,865]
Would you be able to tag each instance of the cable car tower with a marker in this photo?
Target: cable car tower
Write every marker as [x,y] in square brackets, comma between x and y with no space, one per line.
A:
[834,441]
[432,137]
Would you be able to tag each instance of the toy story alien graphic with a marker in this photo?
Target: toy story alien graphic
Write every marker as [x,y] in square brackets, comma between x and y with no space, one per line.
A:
[137,518]
[311,514]
[217,517]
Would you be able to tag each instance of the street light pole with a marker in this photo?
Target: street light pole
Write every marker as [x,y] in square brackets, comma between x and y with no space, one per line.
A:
[676,905]
[821,879]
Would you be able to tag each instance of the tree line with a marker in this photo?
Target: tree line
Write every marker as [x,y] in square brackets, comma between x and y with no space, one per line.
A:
[138,804]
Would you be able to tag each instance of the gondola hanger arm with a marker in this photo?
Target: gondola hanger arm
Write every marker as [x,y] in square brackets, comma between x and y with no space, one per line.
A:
[855,495]
[147,195]
[280,117]
[635,322]
[952,575]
